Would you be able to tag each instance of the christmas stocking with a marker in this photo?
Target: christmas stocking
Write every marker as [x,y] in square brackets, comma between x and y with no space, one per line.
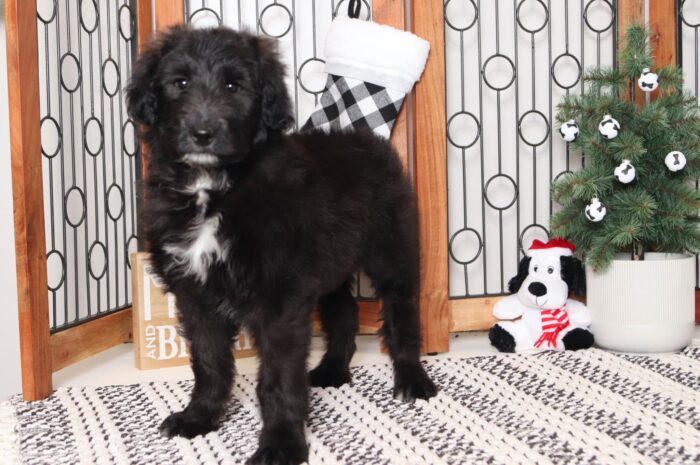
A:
[370,69]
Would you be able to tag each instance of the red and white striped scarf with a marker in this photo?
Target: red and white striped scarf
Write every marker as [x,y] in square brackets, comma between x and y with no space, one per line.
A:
[553,322]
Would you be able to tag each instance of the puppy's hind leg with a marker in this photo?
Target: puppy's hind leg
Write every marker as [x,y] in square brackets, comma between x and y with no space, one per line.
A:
[394,273]
[339,318]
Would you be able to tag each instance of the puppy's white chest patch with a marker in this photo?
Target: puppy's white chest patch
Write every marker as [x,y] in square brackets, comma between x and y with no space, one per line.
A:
[200,247]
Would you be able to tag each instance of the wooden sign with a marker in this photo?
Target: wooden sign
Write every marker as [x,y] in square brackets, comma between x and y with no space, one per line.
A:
[157,343]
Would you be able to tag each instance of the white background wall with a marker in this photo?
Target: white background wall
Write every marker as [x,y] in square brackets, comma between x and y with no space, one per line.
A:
[9,333]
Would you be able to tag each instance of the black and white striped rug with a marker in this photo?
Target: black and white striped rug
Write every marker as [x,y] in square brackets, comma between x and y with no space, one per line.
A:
[587,407]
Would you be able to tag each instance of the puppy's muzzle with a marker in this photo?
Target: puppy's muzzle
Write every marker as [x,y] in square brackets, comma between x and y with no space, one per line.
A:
[202,135]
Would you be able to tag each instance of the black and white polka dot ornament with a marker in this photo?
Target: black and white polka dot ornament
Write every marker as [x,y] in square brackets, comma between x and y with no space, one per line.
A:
[569,131]
[675,161]
[648,81]
[595,211]
[625,172]
[609,127]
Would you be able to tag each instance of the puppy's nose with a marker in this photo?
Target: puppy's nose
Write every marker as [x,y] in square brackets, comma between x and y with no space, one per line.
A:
[537,289]
[202,136]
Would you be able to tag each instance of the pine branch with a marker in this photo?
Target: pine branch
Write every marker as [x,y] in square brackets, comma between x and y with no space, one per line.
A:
[634,55]
[605,79]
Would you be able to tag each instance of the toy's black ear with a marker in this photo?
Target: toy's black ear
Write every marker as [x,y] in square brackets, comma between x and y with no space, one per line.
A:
[276,112]
[523,270]
[141,96]
[573,273]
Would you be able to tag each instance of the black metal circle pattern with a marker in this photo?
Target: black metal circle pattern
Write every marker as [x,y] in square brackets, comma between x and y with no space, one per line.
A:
[54,283]
[452,24]
[130,23]
[306,69]
[74,217]
[558,80]
[561,175]
[114,199]
[488,196]
[684,17]
[462,237]
[93,135]
[533,29]
[42,15]
[111,79]
[129,247]
[270,10]
[587,20]
[97,260]
[202,17]
[71,73]
[453,129]
[95,13]
[129,145]
[526,230]
[484,72]
[50,131]
[536,114]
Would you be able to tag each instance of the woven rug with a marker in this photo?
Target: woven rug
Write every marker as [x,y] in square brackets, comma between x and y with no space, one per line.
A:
[587,407]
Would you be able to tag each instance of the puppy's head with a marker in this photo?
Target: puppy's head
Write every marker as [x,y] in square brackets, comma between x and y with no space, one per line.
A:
[209,96]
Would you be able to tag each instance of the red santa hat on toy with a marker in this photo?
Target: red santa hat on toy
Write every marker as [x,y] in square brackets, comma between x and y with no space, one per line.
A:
[555,247]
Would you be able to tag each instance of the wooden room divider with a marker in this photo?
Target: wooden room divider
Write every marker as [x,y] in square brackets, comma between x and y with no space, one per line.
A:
[420,135]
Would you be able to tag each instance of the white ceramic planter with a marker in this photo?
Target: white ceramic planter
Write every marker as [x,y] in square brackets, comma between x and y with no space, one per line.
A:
[643,306]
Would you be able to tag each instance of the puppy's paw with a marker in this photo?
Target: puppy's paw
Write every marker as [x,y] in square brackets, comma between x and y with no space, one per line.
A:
[188,425]
[329,374]
[411,382]
[279,455]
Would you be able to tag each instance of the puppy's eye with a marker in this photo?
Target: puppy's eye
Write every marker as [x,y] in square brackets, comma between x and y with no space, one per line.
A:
[232,87]
[535,270]
[550,270]
[181,83]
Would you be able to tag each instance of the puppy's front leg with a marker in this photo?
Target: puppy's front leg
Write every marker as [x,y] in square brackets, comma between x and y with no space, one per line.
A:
[282,341]
[213,367]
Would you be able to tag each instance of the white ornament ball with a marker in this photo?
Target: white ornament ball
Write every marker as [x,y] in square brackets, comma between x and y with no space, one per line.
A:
[595,211]
[648,81]
[569,131]
[675,161]
[609,127]
[625,172]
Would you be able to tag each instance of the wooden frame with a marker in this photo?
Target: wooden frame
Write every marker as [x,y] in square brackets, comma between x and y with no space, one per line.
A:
[430,177]
[28,197]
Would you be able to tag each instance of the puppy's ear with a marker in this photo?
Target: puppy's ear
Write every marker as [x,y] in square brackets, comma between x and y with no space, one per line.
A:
[141,96]
[276,111]
[573,273]
[517,281]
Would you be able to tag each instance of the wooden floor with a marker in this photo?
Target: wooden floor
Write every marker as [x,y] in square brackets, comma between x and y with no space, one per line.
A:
[116,365]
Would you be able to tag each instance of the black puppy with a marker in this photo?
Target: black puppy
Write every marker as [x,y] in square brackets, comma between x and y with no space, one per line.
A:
[251,227]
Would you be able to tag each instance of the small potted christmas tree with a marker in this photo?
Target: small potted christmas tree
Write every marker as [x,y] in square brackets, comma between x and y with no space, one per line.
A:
[632,211]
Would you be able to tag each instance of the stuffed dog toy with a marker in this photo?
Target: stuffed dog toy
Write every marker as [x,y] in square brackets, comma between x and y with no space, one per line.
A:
[539,313]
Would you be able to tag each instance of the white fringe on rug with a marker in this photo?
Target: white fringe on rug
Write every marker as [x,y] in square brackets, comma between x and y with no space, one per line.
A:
[9,445]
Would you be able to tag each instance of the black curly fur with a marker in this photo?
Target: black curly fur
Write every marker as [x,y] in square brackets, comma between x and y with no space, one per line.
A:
[299,214]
